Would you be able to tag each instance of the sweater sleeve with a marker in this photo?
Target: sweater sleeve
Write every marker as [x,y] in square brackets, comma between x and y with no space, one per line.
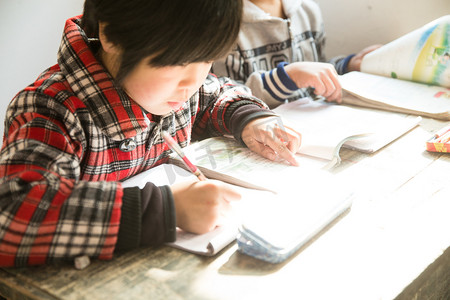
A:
[275,86]
[130,225]
[341,63]
[219,98]
[148,217]
[158,215]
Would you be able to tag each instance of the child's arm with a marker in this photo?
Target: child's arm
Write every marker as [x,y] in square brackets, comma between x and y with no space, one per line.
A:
[195,206]
[225,107]
[287,80]
[248,120]
[50,209]
[47,213]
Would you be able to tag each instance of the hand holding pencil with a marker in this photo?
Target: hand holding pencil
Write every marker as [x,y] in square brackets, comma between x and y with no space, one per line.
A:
[200,206]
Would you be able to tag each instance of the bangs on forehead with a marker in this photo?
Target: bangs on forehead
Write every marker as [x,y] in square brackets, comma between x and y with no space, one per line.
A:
[199,39]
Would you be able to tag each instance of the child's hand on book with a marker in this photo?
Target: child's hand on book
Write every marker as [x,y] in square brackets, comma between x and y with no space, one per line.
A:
[320,76]
[201,205]
[270,138]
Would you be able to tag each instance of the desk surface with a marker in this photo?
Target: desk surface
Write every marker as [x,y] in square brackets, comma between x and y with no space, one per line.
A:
[394,243]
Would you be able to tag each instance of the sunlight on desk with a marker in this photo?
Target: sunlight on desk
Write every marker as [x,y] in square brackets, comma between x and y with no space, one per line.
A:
[392,244]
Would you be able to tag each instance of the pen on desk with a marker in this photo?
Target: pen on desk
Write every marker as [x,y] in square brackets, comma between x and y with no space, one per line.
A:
[444,138]
[442,132]
[177,149]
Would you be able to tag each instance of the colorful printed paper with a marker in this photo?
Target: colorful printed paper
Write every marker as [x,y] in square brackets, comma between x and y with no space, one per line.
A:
[422,55]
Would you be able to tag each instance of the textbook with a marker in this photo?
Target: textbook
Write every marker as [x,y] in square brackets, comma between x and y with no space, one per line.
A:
[383,93]
[327,127]
[293,198]
[324,127]
[227,160]
[409,75]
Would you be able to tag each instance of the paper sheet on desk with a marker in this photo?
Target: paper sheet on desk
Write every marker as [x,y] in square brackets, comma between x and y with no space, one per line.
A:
[204,244]
[285,222]
[211,243]
[165,174]
[298,202]
[294,216]
[207,244]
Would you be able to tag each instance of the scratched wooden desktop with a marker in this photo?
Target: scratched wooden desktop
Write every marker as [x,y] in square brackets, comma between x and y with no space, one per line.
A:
[393,244]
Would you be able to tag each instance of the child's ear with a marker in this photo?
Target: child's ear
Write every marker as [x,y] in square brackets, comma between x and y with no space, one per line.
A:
[107,46]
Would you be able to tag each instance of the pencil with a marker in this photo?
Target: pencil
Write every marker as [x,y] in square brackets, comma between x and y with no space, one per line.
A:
[442,131]
[443,138]
[173,145]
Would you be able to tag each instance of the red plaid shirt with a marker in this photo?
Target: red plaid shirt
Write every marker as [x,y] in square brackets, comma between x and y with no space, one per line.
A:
[64,153]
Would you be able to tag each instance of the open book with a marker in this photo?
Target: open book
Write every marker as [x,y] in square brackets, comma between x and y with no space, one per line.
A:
[410,74]
[326,127]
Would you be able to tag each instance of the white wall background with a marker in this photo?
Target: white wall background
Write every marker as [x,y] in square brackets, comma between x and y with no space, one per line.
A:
[30,32]
[351,25]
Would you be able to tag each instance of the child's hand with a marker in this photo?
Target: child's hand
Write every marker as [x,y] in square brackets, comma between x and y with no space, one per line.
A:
[271,139]
[320,76]
[355,63]
[201,205]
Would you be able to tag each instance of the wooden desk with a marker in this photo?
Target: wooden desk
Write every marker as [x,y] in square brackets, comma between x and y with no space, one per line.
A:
[394,243]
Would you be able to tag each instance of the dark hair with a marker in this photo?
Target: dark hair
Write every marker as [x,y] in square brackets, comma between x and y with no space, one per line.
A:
[173,32]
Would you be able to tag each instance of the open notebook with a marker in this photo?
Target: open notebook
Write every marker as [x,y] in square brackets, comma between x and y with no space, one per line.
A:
[204,244]
[297,193]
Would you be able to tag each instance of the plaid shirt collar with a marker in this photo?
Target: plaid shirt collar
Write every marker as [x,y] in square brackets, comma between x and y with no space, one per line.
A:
[113,111]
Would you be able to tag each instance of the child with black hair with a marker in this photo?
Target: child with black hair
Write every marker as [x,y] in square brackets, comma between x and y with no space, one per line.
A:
[126,71]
